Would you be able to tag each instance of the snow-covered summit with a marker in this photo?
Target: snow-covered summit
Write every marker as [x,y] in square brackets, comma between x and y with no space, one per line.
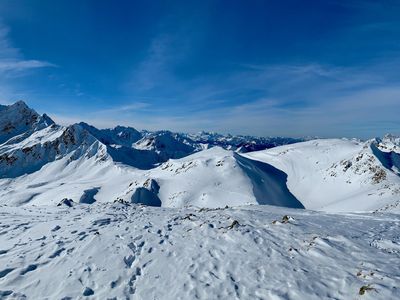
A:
[18,118]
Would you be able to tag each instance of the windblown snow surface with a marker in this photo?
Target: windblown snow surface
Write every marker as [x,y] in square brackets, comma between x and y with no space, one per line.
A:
[125,214]
[117,251]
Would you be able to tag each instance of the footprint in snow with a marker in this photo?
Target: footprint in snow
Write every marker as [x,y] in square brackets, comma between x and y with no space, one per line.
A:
[5,293]
[4,272]
[28,269]
[88,292]
[57,253]
[3,252]
[56,228]
[128,260]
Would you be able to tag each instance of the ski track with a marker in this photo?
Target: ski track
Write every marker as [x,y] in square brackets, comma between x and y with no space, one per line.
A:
[105,251]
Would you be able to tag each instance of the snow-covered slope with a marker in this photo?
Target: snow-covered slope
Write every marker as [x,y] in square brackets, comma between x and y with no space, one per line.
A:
[214,178]
[335,174]
[210,178]
[135,252]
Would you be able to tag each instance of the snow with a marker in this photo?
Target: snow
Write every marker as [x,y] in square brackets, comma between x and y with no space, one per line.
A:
[335,175]
[211,178]
[139,252]
[387,151]
[46,164]
[126,214]
[215,178]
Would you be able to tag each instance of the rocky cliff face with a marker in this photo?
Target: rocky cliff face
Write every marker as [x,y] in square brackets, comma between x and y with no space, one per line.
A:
[29,141]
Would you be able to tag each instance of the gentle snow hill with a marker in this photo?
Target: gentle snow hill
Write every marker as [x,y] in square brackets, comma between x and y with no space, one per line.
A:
[105,251]
[337,174]
[213,178]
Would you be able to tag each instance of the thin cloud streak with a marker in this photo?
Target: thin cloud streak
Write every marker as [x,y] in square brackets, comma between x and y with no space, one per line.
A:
[21,65]
[12,65]
[295,99]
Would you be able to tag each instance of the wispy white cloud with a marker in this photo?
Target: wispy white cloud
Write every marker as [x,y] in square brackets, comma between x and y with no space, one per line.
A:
[21,65]
[13,64]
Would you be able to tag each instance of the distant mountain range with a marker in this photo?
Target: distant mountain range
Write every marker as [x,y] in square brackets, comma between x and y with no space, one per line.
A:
[45,163]
[126,143]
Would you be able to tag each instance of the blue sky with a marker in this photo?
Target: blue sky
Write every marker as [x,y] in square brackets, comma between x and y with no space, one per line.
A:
[293,68]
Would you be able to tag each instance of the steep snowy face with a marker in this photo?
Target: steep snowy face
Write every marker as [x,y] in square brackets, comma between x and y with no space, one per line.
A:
[389,143]
[18,157]
[18,119]
[387,150]
[336,175]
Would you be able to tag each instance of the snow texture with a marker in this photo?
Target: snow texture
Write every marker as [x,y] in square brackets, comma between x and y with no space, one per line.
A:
[117,251]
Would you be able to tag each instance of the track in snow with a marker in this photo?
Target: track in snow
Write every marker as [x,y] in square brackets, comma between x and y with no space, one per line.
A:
[138,252]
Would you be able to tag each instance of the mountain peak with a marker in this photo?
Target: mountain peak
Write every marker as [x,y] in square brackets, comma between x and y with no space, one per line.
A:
[19,118]
[20,103]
